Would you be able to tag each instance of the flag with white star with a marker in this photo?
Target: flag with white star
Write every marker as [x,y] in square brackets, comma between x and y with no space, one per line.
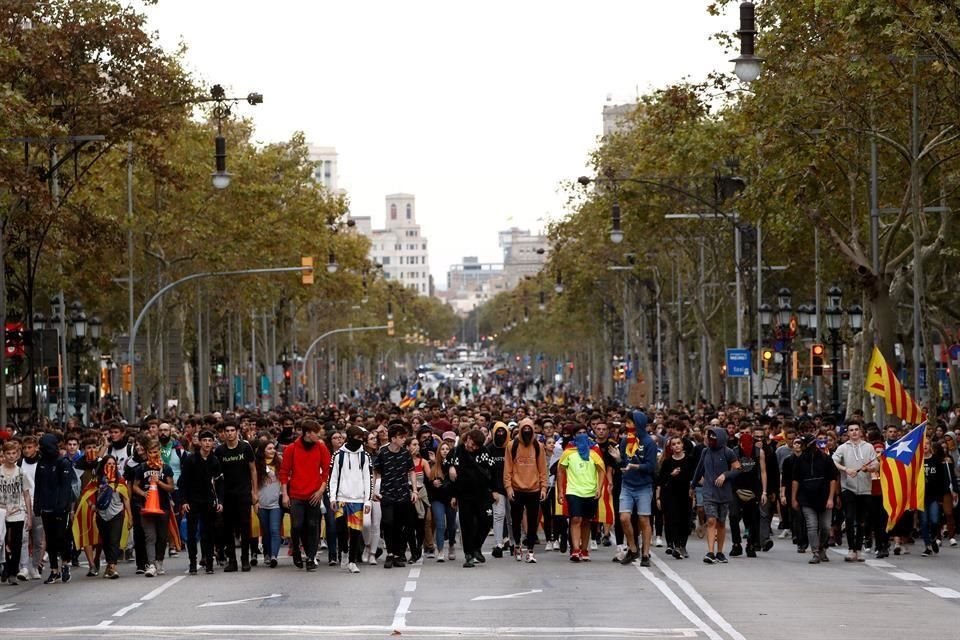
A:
[901,475]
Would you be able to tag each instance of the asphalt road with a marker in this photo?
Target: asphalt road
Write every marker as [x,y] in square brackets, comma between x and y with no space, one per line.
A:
[774,596]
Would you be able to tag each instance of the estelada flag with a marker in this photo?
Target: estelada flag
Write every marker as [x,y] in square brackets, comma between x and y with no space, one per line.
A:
[411,397]
[901,475]
[84,527]
[882,381]
[605,509]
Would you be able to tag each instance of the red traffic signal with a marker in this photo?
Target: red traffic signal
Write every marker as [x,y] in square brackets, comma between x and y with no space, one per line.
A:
[817,352]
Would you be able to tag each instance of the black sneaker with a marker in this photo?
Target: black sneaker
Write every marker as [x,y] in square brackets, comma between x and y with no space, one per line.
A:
[683,553]
[736,551]
[193,568]
[478,556]
[709,558]
[767,545]
[253,561]
[936,547]
[468,563]
[721,558]
[93,573]
[209,569]
[926,553]
[273,563]
[298,562]
[399,562]
[497,552]
[311,564]
[629,557]
[65,574]
[751,552]
[669,551]
[645,561]
[388,563]
[245,567]
[230,568]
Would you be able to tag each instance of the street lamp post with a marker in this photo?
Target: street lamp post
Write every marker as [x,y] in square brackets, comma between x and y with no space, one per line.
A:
[834,323]
[783,334]
[81,328]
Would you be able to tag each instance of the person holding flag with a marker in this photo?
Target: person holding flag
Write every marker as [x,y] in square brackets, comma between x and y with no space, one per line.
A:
[581,475]
[411,397]
[901,476]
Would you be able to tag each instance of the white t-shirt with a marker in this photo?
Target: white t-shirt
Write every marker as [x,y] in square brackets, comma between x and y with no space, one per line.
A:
[12,483]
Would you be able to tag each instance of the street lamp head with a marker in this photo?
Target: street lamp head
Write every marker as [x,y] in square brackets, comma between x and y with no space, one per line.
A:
[255,98]
[766,314]
[834,318]
[584,180]
[784,314]
[220,179]
[96,326]
[746,66]
[616,231]
[79,320]
[803,316]
[855,312]
[834,298]
[332,263]
[784,297]
[616,236]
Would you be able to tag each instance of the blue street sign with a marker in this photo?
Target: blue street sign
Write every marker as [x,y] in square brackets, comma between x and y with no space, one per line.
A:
[738,363]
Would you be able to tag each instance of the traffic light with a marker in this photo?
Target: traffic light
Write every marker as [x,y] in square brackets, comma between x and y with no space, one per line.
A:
[390,328]
[767,355]
[15,348]
[306,275]
[816,359]
[127,377]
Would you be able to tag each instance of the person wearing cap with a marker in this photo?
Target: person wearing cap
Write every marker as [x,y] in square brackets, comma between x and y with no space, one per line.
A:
[813,490]
[525,481]
[201,490]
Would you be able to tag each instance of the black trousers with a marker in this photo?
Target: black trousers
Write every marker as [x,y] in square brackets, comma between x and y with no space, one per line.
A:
[749,512]
[528,501]
[856,510]
[397,523]
[236,521]
[304,528]
[474,523]
[349,541]
[110,533]
[14,541]
[878,522]
[676,514]
[55,530]
[203,516]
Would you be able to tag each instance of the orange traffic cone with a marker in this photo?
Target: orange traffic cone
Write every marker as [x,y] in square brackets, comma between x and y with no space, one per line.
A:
[152,506]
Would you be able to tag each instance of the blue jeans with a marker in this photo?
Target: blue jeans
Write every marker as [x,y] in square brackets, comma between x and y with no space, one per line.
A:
[929,521]
[270,530]
[444,524]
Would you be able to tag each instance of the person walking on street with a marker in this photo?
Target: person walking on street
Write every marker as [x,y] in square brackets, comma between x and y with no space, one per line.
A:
[201,488]
[53,502]
[580,476]
[717,468]
[240,493]
[303,480]
[638,465]
[351,489]
[470,469]
[17,505]
[855,460]
[153,475]
[814,488]
[525,481]
[395,470]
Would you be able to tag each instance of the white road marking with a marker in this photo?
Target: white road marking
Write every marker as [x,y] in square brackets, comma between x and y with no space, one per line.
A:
[414,573]
[229,602]
[400,615]
[508,596]
[880,564]
[909,577]
[698,599]
[679,604]
[314,631]
[127,609]
[410,586]
[166,585]
[943,592]
[10,606]
[105,623]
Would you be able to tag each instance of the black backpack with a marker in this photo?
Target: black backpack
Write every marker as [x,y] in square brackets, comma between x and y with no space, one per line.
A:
[516,445]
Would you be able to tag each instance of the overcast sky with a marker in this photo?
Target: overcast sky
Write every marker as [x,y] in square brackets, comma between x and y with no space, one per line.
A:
[479,109]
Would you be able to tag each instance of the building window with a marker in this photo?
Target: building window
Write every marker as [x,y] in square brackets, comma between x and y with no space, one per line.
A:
[409,212]
[398,247]
[393,212]
[386,261]
[424,246]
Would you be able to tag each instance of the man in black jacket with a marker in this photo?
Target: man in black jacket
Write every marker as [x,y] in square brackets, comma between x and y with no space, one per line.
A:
[53,502]
[814,487]
[201,488]
[470,469]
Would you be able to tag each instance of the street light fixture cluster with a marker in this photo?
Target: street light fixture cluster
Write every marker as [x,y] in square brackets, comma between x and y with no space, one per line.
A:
[221,110]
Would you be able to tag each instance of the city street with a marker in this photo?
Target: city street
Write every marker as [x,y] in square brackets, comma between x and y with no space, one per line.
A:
[775,596]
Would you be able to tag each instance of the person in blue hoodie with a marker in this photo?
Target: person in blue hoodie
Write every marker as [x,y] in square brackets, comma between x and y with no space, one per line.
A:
[638,462]
[717,468]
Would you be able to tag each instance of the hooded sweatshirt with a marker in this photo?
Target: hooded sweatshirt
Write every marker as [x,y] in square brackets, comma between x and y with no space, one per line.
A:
[53,490]
[525,466]
[855,457]
[715,460]
[644,455]
[497,453]
[350,476]
[304,469]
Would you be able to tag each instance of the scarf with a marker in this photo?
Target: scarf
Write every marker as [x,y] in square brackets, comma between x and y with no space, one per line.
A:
[583,445]
[632,442]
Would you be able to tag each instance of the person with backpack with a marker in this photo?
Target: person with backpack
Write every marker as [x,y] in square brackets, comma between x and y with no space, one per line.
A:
[351,490]
[525,481]
[53,502]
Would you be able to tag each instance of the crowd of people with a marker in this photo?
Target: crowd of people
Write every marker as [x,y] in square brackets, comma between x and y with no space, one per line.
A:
[372,484]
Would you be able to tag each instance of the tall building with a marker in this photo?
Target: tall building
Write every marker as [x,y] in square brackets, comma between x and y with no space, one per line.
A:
[524,254]
[616,117]
[324,160]
[400,246]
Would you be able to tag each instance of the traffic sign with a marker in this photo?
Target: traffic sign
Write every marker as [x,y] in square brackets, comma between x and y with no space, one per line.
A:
[738,363]
[955,354]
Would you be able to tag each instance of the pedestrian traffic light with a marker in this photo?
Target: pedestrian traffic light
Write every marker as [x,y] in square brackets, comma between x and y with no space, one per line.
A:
[767,355]
[390,328]
[306,273]
[816,359]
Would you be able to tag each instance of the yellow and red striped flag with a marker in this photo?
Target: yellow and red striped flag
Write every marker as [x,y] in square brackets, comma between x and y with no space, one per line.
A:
[901,475]
[882,381]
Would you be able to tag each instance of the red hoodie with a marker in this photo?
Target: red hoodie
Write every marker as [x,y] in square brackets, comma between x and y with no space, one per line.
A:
[304,470]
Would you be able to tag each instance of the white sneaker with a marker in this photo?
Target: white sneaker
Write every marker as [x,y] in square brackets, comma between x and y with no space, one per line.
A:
[372,560]
[323,544]
[953,542]
[365,558]
[658,542]
[593,545]
[430,555]
[160,571]
[22,575]
[151,571]
[353,568]
[783,534]
[451,554]
[35,574]
[530,558]
[520,554]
